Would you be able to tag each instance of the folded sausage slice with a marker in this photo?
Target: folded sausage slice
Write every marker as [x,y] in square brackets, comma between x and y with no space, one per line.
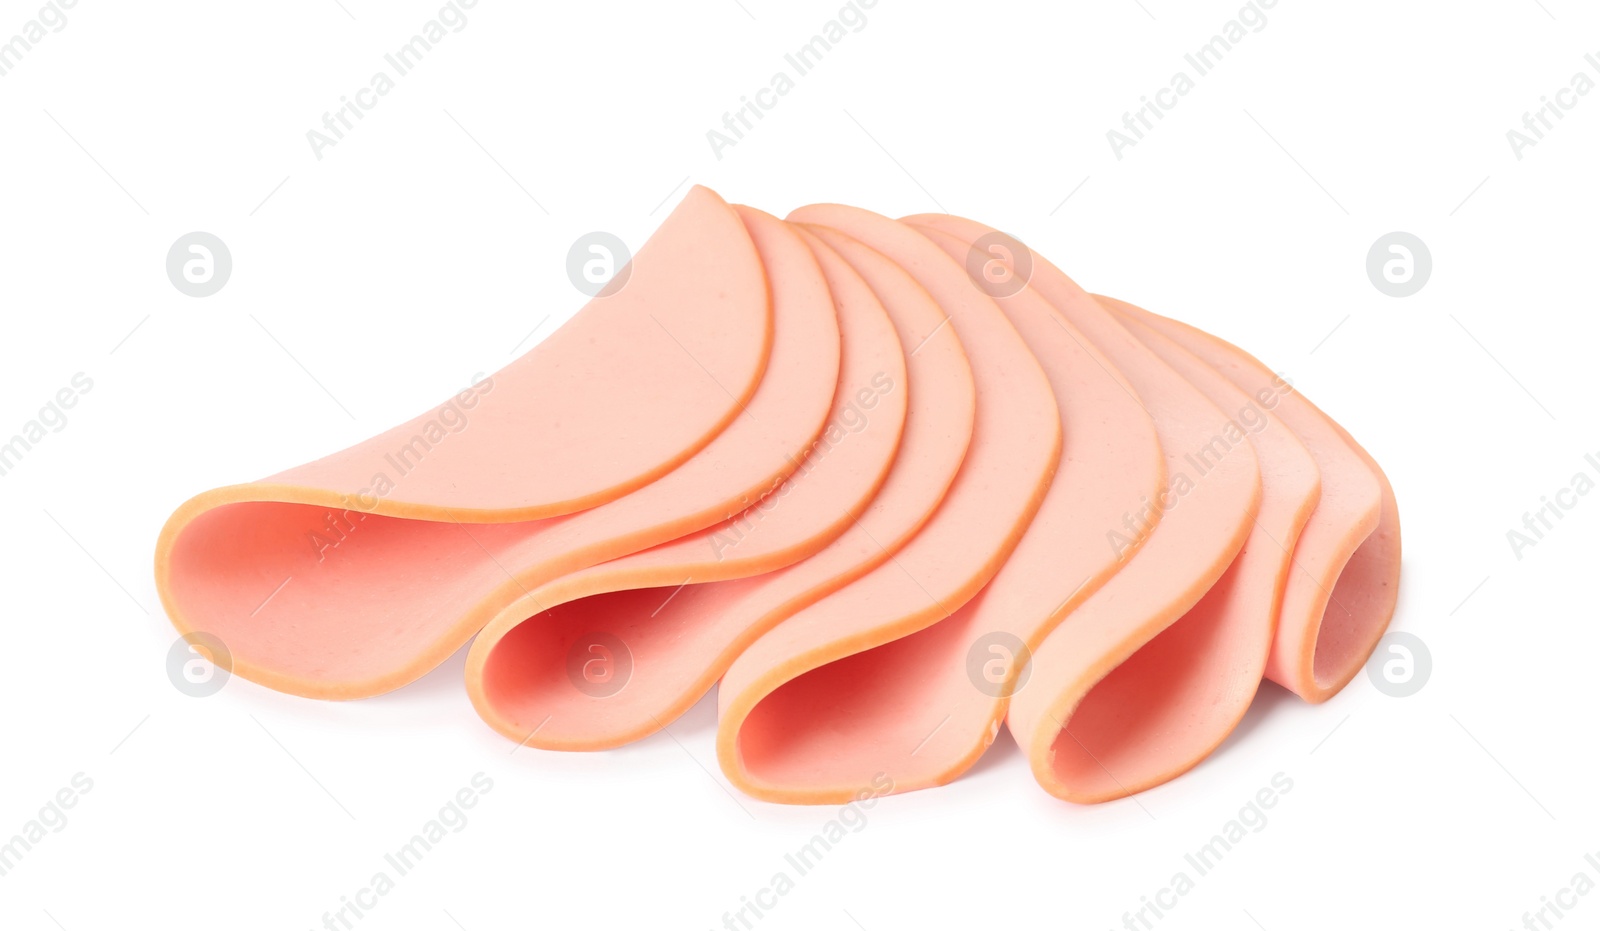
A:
[634,384]
[1345,576]
[807,714]
[613,652]
[395,595]
[953,679]
[1089,733]
[1218,650]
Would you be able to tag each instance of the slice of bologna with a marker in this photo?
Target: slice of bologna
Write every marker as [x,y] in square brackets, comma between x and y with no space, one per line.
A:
[1217,653]
[889,500]
[1345,579]
[957,675]
[806,710]
[353,602]
[631,387]
[611,653]
[1093,724]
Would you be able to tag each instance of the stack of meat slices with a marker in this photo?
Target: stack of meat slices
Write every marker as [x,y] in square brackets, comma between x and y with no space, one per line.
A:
[890,483]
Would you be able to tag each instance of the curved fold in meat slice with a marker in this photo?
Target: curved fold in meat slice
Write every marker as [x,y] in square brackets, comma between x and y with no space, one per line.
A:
[631,387]
[954,678]
[1220,646]
[613,652]
[1345,579]
[805,713]
[352,602]
[890,481]
[1092,731]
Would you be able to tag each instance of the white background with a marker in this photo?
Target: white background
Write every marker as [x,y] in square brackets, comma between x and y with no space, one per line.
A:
[427,244]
